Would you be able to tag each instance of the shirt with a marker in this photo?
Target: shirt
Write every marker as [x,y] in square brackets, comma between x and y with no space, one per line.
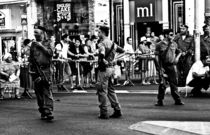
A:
[128,49]
[198,68]
[64,49]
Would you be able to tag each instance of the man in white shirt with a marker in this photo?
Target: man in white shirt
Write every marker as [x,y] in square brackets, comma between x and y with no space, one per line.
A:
[199,77]
[128,58]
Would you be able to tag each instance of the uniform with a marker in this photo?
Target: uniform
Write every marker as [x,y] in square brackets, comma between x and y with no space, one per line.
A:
[41,54]
[104,85]
[185,61]
[169,69]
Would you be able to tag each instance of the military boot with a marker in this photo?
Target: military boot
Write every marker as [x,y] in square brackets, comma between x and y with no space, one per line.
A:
[116,114]
[159,103]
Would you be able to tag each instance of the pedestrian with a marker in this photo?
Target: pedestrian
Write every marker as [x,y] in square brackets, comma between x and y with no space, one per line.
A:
[25,77]
[167,56]
[107,50]
[40,59]
[129,57]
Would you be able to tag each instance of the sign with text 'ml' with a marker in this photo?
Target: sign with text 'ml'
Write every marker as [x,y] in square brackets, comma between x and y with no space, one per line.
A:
[63,12]
[145,10]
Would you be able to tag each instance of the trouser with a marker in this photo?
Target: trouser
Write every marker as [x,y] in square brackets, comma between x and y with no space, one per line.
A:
[199,83]
[44,95]
[183,66]
[105,89]
[172,78]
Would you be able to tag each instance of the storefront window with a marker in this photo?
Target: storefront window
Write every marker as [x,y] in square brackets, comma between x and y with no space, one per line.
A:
[117,21]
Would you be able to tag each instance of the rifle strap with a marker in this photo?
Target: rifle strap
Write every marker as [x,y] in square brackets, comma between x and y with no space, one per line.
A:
[109,51]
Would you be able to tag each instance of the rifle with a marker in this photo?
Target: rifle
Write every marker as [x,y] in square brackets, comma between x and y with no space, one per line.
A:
[42,77]
[163,81]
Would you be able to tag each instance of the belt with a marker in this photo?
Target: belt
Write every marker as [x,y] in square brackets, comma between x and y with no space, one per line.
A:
[44,67]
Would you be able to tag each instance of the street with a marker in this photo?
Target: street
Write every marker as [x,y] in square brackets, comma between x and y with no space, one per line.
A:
[76,114]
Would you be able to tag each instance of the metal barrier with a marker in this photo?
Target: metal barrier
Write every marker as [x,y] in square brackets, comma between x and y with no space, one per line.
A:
[140,67]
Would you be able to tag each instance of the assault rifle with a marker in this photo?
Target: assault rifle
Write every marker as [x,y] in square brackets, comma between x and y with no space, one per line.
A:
[42,77]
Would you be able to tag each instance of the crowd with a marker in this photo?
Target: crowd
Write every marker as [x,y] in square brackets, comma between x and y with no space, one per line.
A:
[96,61]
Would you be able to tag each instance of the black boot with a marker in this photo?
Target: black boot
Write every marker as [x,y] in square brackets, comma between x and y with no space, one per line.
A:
[159,103]
[116,114]
[103,116]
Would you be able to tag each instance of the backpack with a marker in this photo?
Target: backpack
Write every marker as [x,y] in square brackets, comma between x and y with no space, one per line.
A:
[169,54]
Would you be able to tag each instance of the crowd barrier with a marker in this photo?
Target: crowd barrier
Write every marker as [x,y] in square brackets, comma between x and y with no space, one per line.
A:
[142,65]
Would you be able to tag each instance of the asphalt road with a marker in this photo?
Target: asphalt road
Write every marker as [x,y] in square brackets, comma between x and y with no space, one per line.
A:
[76,114]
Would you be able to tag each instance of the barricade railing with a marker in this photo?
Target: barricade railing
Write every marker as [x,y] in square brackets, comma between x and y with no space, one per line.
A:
[141,66]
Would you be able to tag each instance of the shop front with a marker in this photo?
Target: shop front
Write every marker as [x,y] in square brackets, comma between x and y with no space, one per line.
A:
[146,16]
[73,17]
[11,28]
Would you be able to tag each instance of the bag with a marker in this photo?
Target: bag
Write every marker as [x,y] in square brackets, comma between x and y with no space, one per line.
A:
[169,54]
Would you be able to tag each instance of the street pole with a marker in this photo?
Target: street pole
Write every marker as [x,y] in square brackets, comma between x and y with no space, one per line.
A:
[196,30]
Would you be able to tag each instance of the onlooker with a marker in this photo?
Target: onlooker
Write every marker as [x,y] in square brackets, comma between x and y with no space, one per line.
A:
[128,59]
[10,73]
[25,77]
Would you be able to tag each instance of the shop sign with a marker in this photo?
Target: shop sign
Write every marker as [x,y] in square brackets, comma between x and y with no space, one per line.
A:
[63,11]
[2,19]
[145,10]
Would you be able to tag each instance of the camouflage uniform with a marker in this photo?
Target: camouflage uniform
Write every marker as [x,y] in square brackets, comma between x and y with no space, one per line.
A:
[42,53]
[185,61]
[104,84]
[169,69]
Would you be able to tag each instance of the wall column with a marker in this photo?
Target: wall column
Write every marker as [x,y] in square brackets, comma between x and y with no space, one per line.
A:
[126,16]
[196,30]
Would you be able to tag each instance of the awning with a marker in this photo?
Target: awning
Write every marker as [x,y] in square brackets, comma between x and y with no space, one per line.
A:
[2,2]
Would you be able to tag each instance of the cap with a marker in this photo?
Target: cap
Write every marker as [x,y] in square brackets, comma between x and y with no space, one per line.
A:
[183,26]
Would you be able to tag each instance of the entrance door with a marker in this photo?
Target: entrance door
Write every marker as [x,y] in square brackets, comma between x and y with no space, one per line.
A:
[150,26]
[176,14]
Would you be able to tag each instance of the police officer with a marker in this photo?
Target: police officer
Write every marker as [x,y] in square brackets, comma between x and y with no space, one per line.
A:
[185,43]
[40,59]
[107,50]
[167,56]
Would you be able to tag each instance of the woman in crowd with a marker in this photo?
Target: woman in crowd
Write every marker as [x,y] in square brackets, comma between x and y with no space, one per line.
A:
[25,77]
[11,71]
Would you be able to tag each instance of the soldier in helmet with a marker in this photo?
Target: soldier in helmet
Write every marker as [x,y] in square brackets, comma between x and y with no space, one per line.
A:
[40,60]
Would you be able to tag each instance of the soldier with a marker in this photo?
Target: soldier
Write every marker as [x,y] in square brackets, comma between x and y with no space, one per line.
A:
[167,56]
[40,60]
[107,50]
[185,43]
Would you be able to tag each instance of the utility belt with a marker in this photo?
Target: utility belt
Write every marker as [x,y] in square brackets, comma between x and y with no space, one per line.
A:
[169,64]
[43,67]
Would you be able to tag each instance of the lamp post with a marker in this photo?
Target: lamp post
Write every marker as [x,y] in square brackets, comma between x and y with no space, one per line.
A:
[196,30]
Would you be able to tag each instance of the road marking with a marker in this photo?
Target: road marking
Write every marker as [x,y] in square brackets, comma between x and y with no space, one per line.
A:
[172,127]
